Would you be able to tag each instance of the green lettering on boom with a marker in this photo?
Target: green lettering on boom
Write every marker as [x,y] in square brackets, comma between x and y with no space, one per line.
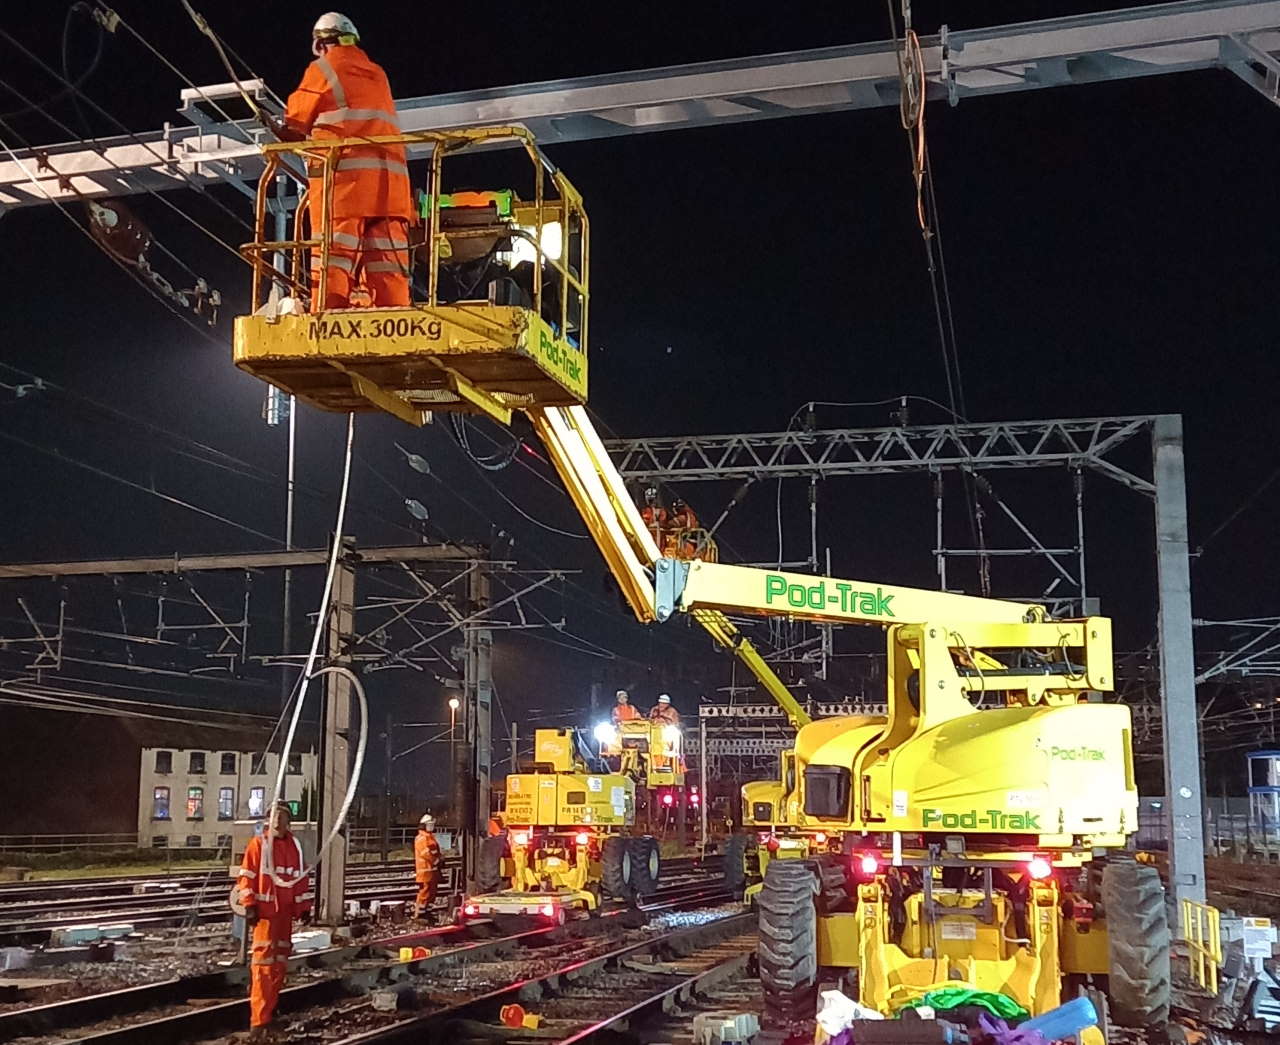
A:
[839,598]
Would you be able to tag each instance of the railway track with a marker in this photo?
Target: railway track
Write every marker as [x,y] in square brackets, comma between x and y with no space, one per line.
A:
[210,1006]
[30,921]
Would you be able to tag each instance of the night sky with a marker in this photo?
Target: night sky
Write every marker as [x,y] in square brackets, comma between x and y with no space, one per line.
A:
[1110,250]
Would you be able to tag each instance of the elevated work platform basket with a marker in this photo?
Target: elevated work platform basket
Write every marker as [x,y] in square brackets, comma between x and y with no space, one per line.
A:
[499,316]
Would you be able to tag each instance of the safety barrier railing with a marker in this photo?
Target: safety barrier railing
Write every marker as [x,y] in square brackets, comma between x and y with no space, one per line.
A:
[1203,932]
[562,206]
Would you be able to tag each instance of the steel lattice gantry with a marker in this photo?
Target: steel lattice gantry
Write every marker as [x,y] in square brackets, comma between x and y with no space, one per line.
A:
[1242,36]
[1082,443]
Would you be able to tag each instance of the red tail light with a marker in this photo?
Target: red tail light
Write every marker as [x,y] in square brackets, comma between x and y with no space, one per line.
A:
[583,838]
[520,838]
[470,909]
[1039,868]
[547,910]
[869,863]
[820,838]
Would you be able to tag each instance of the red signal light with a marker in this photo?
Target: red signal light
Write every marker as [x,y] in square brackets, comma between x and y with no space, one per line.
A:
[470,909]
[869,863]
[668,799]
[583,838]
[1039,868]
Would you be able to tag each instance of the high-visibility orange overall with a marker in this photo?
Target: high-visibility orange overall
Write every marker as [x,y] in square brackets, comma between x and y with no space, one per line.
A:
[276,905]
[624,713]
[426,870]
[344,94]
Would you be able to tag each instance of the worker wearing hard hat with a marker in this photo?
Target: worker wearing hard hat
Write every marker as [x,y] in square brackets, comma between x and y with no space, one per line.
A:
[273,890]
[624,710]
[664,711]
[344,94]
[426,865]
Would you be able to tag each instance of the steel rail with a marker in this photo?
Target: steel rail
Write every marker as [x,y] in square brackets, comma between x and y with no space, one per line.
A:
[233,1013]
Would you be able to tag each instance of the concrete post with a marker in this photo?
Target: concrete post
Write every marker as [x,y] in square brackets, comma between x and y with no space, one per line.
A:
[1177,665]
[478,687]
[335,757]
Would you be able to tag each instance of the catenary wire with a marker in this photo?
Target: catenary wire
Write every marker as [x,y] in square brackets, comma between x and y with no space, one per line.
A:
[134,137]
[61,206]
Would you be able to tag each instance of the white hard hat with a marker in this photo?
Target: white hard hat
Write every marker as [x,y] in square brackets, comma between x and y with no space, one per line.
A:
[427,820]
[334,24]
[621,693]
[664,699]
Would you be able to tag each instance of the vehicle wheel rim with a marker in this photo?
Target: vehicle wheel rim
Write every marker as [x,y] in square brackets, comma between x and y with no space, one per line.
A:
[626,867]
[653,863]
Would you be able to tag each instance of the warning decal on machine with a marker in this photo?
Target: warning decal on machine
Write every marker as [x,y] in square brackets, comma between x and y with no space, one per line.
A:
[958,930]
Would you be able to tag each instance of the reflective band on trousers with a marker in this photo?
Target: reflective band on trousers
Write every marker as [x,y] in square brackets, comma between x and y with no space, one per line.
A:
[345,239]
[335,85]
[342,114]
[386,266]
[372,163]
[380,243]
[336,261]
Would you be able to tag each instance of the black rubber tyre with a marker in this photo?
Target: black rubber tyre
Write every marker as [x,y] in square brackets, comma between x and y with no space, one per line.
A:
[616,870]
[489,863]
[735,872]
[788,949]
[646,865]
[1138,936]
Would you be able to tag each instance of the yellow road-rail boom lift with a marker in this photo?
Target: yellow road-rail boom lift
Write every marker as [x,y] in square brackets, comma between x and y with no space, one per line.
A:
[975,833]
[568,841]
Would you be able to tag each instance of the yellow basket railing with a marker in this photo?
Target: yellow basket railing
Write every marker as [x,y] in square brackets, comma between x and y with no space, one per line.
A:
[562,203]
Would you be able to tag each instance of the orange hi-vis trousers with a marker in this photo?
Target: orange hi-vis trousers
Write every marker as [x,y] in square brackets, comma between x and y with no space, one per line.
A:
[272,945]
[372,250]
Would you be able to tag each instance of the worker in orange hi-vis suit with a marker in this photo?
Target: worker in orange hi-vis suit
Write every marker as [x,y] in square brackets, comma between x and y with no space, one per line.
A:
[344,94]
[426,865]
[272,897]
[624,710]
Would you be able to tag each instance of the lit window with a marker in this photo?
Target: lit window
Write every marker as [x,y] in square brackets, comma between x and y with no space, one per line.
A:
[195,762]
[228,762]
[195,803]
[226,803]
[257,801]
[160,804]
[164,761]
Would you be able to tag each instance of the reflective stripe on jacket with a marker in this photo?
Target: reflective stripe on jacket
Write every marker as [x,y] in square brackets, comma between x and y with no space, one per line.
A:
[256,887]
[344,94]
[426,855]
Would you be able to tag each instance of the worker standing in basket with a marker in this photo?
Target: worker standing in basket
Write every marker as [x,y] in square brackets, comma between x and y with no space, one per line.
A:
[624,710]
[426,865]
[273,891]
[664,711]
[344,94]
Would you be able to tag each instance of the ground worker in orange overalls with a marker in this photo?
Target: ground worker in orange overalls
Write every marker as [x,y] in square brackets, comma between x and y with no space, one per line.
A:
[426,865]
[344,94]
[272,896]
